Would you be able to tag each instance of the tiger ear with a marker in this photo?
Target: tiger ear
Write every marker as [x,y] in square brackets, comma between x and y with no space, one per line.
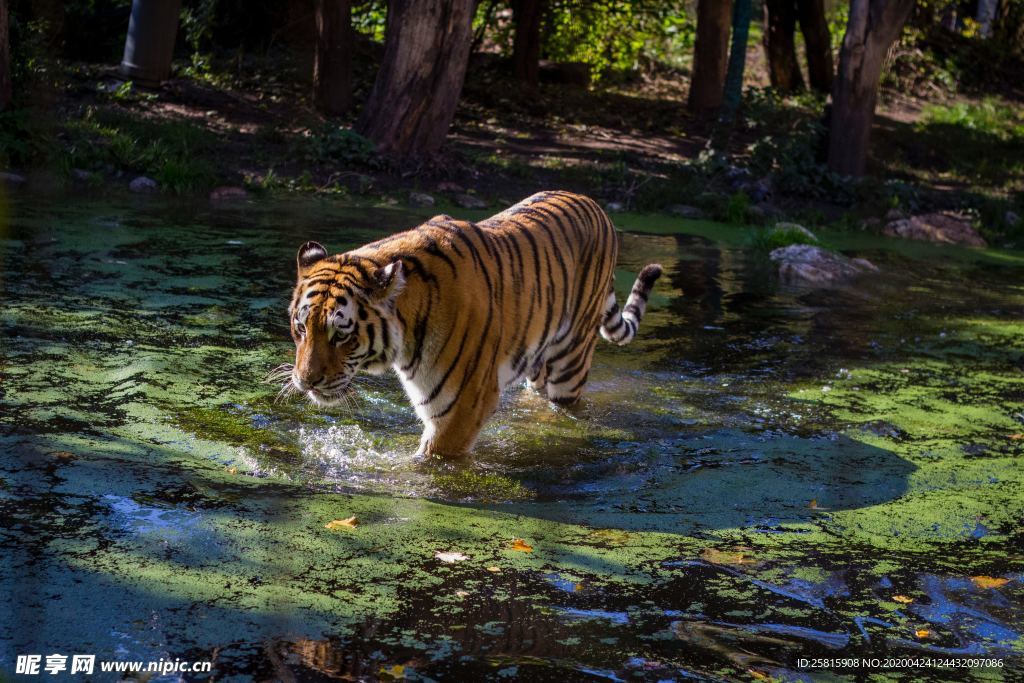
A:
[389,280]
[310,253]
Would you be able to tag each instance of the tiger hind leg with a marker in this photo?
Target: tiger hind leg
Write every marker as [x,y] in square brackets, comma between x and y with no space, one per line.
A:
[567,374]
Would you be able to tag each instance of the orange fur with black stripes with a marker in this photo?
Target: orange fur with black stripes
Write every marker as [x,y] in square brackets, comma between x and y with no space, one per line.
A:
[462,310]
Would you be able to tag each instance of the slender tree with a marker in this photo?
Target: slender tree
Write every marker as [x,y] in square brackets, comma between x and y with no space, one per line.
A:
[332,66]
[710,55]
[780,45]
[526,46]
[814,27]
[741,12]
[871,30]
[5,59]
[411,106]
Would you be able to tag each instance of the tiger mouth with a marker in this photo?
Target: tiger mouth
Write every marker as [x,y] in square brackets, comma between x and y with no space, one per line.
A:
[327,399]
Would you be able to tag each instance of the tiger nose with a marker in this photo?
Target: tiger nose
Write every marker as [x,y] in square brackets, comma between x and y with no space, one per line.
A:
[306,383]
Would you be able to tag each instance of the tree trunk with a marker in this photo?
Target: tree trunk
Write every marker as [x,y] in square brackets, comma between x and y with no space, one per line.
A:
[986,14]
[5,59]
[710,55]
[780,45]
[873,26]
[526,48]
[814,27]
[332,65]
[413,100]
[741,12]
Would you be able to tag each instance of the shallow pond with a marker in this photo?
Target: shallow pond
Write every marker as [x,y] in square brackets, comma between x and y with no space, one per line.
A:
[768,473]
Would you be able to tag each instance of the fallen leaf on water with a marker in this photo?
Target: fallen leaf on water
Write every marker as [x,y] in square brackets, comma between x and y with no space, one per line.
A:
[989,581]
[521,546]
[63,455]
[494,570]
[1016,437]
[450,557]
[348,523]
[758,676]
[715,556]
[396,671]
[903,598]
[577,587]
[922,633]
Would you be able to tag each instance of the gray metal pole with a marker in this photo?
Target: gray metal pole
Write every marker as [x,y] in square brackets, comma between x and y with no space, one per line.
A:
[149,45]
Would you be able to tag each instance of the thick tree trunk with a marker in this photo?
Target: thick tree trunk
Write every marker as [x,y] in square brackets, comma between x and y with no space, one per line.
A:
[780,45]
[413,100]
[871,30]
[526,47]
[814,27]
[5,59]
[710,55]
[332,65]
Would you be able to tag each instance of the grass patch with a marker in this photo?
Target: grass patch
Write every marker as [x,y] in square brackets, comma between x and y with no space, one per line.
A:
[172,152]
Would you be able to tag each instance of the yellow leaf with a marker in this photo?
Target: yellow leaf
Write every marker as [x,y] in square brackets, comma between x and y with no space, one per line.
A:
[758,676]
[903,598]
[494,570]
[989,581]
[396,671]
[522,546]
[348,523]
[461,594]
[715,556]
[577,587]
[922,633]
[813,504]
[1016,437]
[232,470]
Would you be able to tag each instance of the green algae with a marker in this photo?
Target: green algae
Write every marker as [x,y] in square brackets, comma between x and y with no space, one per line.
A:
[708,486]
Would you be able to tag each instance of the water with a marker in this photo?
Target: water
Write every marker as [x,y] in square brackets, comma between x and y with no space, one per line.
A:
[768,473]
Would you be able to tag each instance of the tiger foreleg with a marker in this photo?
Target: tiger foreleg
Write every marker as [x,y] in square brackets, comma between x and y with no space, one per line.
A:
[453,434]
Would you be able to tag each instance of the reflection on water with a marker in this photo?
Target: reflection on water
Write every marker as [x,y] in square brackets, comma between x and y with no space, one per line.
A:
[766,474]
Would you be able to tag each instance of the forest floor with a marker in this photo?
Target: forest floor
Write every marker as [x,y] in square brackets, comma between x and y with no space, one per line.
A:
[631,145]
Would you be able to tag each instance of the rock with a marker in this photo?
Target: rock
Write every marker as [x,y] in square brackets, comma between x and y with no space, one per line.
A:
[684,211]
[944,228]
[11,179]
[1011,219]
[468,201]
[446,186]
[228,192]
[614,207]
[143,184]
[420,199]
[794,227]
[814,265]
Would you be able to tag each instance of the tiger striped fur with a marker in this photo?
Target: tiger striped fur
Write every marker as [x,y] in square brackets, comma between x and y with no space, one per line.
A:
[462,310]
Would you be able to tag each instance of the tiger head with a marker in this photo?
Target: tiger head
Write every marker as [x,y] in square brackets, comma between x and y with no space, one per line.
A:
[342,320]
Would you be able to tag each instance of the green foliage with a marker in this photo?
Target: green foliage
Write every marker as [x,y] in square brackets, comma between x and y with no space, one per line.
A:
[172,153]
[613,36]
[768,239]
[22,138]
[334,144]
[370,18]
[989,117]
[738,209]
[197,22]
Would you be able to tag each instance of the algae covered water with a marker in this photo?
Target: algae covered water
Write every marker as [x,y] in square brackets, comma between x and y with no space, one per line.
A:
[769,482]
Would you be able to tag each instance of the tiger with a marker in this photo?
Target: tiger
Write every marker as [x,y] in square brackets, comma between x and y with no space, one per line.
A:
[461,310]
